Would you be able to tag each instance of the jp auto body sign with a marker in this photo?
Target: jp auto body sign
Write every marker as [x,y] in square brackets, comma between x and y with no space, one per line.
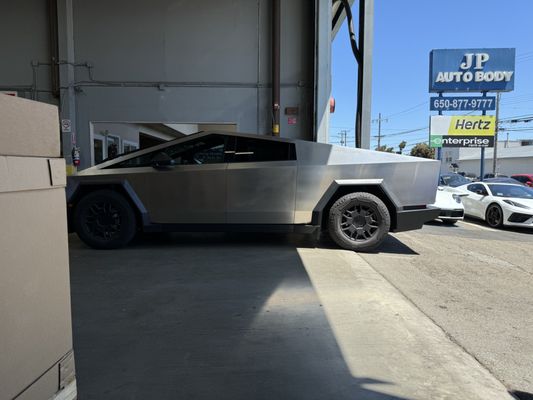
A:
[471,70]
[462,131]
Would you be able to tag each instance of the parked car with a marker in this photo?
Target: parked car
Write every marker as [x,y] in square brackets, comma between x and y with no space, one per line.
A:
[216,181]
[499,204]
[450,205]
[471,176]
[526,179]
[453,180]
[502,180]
[491,175]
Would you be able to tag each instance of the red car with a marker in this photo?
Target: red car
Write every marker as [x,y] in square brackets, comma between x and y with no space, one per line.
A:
[526,179]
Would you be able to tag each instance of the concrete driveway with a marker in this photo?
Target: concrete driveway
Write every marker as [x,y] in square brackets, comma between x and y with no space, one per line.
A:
[192,316]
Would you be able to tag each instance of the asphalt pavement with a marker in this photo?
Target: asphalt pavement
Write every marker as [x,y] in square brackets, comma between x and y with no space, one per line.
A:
[474,282]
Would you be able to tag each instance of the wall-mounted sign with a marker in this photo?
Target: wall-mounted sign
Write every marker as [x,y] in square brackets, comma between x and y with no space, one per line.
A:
[462,131]
[291,110]
[66,125]
[471,70]
[462,103]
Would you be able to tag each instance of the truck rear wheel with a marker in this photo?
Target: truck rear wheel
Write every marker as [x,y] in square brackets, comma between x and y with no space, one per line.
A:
[359,221]
[104,219]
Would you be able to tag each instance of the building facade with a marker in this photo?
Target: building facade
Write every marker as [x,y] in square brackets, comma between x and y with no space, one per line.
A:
[515,159]
[128,72]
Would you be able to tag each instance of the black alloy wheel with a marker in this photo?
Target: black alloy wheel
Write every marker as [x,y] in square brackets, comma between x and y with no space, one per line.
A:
[359,221]
[494,216]
[104,219]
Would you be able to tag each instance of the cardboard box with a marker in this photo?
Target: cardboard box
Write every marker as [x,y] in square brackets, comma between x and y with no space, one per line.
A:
[35,317]
[28,128]
[34,276]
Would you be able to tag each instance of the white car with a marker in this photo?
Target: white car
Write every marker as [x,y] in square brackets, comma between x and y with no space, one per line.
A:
[450,204]
[499,203]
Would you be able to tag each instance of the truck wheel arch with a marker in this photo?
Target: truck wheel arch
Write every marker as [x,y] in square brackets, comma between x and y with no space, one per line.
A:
[122,187]
[340,188]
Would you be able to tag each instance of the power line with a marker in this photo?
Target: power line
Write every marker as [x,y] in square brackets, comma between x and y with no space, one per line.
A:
[524,59]
[518,118]
[406,132]
[408,110]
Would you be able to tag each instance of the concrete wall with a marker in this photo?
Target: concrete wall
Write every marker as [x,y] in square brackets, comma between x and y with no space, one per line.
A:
[25,38]
[506,166]
[456,153]
[449,156]
[170,61]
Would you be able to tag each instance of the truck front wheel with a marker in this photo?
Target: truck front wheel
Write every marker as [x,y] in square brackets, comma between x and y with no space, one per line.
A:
[359,221]
[103,219]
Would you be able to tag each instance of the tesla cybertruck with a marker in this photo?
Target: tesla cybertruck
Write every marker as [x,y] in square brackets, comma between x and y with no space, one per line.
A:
[220,181]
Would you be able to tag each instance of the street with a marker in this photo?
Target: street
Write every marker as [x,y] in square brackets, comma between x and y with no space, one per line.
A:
[476,284]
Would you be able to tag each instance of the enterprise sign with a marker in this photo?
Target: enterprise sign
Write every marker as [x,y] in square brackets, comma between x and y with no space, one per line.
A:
[462,131]
[471,70]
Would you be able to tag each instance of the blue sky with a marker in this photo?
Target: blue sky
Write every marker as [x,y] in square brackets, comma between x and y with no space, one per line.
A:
[404,33]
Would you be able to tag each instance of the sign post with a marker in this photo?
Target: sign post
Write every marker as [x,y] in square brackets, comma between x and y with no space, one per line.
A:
[482,153]
[468,70]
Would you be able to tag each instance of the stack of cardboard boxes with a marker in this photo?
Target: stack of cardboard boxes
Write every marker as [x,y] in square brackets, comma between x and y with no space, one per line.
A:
[36,360]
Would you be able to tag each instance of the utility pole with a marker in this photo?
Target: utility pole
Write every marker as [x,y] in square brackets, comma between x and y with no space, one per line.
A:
[378,120]
[495,152]
[344,137]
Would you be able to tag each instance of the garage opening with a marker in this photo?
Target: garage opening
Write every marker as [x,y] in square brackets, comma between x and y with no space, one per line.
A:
[110,139]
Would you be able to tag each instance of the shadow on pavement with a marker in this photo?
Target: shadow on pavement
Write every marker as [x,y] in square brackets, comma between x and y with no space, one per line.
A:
[482,223]
[192,316]
[441,224]
[522,395]
[391,245]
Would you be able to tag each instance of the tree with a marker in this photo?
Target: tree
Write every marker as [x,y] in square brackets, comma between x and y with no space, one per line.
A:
[423,150]
[402,145]
[385,148]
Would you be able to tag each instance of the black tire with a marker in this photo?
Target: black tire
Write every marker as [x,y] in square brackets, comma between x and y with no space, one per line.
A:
[449,221]
[494,216]
[359,221]
[104,219]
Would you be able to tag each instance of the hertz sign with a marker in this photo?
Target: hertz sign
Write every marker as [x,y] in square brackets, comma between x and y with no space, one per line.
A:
[462,131]
[471,70]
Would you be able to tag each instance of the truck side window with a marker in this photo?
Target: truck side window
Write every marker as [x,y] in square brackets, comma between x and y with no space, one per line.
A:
[258,150]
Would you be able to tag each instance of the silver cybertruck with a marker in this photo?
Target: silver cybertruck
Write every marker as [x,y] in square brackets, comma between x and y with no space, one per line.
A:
[220,181]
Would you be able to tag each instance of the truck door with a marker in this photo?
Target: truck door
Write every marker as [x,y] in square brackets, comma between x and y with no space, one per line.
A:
[191,190]
[261,182]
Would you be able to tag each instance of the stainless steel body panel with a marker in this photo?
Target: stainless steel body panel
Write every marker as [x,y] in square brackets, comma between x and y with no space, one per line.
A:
[272,192]
[261,192]
[179,194]
[407,180]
